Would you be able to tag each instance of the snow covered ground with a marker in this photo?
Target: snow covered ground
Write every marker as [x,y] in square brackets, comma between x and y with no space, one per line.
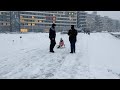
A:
[115,32]
[97,57]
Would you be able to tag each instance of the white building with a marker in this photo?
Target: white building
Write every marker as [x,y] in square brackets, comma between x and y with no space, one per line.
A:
[107,23]
[90,21]
[81,19]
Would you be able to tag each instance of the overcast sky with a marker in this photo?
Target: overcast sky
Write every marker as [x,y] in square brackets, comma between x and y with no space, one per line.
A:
[111,14]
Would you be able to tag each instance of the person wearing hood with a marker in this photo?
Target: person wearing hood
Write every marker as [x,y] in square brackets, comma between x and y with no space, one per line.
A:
[72,38]
[52,36]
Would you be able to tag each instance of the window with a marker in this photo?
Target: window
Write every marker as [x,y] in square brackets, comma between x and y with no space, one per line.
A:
[57,15]
[40,21]
[39,17]
[2,12]
[23,16]
[41,14]
[60,12]
[29,24]
[64,15]
[82,16]
[23,13]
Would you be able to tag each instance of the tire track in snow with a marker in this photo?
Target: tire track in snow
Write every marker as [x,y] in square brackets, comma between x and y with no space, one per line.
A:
[114,73]
[57,63]
[75,65]
[22,64]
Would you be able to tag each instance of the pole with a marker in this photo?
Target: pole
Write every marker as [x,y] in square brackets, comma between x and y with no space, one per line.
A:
[10,21]
[19,20]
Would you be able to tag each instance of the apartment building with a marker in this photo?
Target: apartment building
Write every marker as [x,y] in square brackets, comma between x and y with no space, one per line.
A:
[4,21]
[81,19]
[42,20]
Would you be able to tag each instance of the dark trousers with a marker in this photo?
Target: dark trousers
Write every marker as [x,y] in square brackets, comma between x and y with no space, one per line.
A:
[72,44]
[52,44]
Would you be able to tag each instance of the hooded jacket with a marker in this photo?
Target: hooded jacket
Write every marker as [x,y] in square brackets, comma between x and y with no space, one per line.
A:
[52,33]
[72,35]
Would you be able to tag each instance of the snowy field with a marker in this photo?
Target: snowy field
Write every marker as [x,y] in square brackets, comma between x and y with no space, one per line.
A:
[97,57]
[115,32]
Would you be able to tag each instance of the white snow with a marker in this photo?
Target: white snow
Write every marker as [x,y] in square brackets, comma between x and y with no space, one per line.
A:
[97,57]
[115,32]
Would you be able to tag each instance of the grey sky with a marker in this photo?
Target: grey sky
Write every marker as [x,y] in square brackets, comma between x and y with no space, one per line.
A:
[111,14]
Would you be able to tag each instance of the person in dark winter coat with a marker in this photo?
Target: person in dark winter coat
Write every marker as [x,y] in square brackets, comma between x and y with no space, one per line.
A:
[52,36]
[88,32]
[72,38]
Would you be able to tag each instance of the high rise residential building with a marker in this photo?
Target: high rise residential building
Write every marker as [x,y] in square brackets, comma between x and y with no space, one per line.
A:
[4,21]
[81,19]
[90,20]
[94,22]
[42,20]
[36,21]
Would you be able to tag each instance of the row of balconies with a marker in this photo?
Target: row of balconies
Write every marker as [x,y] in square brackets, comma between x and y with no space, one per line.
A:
[43,14]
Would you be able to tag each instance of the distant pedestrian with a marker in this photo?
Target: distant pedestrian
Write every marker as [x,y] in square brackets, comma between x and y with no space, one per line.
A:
[88,32]
[52,36]
[20,36]
[72,38]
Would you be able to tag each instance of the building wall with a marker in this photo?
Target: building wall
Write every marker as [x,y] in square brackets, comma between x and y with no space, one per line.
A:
[37,20]
[90,20]
[42,20]
[81,19]
[15,21]
[4,21]
[105,23]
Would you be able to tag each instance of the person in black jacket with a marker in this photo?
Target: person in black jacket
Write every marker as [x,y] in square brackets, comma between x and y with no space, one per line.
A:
[72,38]
[52,35]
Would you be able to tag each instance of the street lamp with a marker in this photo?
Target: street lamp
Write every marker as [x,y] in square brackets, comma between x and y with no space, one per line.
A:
[70,19]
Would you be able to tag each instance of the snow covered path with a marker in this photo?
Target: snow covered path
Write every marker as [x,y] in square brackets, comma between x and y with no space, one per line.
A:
[29,57]
[104,55]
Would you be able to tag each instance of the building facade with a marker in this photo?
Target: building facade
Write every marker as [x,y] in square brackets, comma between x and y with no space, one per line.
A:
[98,23]
[81,19]
[4,21]
[42,20]
[107,24]
[36,21]
[116,25]
[90,21]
